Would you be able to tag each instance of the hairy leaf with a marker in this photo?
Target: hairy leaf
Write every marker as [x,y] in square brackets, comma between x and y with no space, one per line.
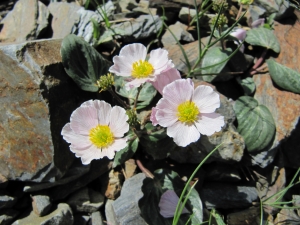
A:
[255,123]
[284,77]
[82,62]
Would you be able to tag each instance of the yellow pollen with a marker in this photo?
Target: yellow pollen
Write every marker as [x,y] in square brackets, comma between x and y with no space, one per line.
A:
[187,112]
[141,69]
[101,136]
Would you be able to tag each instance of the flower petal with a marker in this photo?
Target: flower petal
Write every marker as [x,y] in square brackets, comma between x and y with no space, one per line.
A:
[159,60]
[165,78]
[178,91]
[87,155]
[118,145]
[206,99]
[122,66]
[77,140]
[239,33]
[118,121]
[167,204]
[166,114]
[136,83]
[153,116]
[83,119]
[210,123]
[183,134]
[103,110]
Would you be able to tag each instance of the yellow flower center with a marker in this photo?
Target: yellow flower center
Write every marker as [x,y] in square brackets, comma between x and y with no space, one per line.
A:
[187,112]
[101,136]
[141,69]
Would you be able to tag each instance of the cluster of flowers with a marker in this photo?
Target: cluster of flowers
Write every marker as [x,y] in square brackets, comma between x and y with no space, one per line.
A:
[97,130]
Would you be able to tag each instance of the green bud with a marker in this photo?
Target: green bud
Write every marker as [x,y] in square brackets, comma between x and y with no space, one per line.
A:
[245,2]
[217,5]
[132,117]
[221,21]
[105,82]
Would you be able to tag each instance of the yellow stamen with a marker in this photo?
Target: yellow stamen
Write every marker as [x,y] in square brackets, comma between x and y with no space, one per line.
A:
[141,69]
[187,112]
[101,136]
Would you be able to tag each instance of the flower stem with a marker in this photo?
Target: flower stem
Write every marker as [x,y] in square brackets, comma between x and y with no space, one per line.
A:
[258,62]
[240,11]
[143,169]
[137,95]
[118,99]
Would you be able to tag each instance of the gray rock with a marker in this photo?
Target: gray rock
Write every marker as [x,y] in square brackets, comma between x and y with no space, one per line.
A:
[41,204]
[62,215]
[37,99]
[110,213]
[7,201]
[140,28]
[226,196]
[186,14]
[86,200]
[25,22]
[127,5]
[96,218]
[179,30]
[7,216]
[143,8]
[222,172]
[81,219]
[126,207]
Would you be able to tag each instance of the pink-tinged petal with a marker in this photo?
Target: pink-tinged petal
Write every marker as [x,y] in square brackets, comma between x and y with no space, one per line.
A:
[159,60]
[165,78]
[178,91]
[87,155]
[103,110]
[77,140]
[206,99]
[153,116]
[165,118]
[258,23]
[183,134]
[118,121]
[135,83]
[134,52]
[121,67]
[83,119]
[118,145]
[168,203]
[239,33]
[166,105]
[209,123]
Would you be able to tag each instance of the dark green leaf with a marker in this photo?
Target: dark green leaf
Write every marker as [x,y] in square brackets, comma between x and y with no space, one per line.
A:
[211,62]
[153,189]
[284,77]
[146,95]
[255,123]
[82,62]
[263,37]
[248,85]
[126,153]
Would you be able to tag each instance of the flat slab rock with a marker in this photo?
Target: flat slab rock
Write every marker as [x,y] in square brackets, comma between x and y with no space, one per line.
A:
[37,99]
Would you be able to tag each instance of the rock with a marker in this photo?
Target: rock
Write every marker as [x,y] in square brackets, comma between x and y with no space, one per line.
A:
[126,207]
[227,196]
[247,216]
[5,7]
[7,201]
[179,30]
[127,5]
[109,212]
[96,218]
[186,14]
[61,215]
[41,204]
[3,182]
[222,172]
[86,200]
[188,2]
[130,168]
[143,8]
[81,219]
[283,105]
[37,99]
[114,184]
[7,216]
[140,28]
[27,20]
[287,216]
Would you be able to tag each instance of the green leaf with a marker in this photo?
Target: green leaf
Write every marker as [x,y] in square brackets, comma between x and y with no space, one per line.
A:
[284,77]
[146,95]
[255,123]
[153,189]
[96,28]
[263,37]
[82,62]
[127,152]
[211,62]
[248,85]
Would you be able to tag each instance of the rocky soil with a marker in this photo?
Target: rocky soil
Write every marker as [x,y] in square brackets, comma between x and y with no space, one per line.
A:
[42,182]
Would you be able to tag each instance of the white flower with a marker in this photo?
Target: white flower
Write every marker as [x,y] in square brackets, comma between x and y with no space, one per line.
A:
[187,112]
[132,63]
[96,130]
[167,204]
[240,35]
